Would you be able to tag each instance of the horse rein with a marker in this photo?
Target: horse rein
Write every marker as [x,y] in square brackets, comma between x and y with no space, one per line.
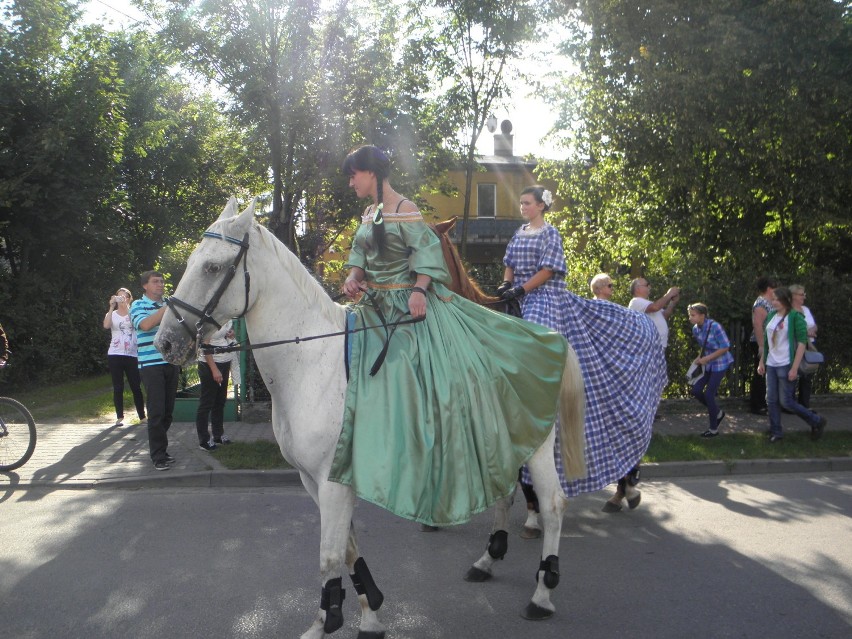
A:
[205,315]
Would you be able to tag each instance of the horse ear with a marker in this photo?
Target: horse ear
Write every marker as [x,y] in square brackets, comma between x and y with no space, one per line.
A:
[230,209]
[243,223]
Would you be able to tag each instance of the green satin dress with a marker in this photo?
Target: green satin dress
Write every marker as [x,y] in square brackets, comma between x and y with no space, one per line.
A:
[462,400]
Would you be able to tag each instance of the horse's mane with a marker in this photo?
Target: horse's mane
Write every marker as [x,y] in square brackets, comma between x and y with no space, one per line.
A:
[301,277]
[461,283]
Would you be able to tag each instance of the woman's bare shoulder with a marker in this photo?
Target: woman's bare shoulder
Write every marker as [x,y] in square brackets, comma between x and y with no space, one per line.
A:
[407,206]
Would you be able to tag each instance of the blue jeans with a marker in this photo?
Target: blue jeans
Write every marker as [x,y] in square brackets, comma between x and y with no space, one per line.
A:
[781,393]
[705,389]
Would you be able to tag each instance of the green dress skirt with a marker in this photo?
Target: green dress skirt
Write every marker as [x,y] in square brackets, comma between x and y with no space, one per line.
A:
[462,399]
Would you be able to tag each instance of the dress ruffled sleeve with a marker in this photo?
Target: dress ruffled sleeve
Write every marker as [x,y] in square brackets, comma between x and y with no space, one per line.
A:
[356,256]
[552,255]
[427,256]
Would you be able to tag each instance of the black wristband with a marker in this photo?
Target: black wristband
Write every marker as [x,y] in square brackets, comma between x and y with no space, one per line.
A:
[417,289]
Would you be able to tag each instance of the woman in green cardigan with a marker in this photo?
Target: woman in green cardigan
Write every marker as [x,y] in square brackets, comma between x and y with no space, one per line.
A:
[785,338]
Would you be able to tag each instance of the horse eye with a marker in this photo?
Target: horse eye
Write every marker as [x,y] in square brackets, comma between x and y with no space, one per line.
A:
[213,268]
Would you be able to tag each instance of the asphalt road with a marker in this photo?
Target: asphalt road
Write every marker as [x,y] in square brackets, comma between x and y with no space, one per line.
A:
[763,556]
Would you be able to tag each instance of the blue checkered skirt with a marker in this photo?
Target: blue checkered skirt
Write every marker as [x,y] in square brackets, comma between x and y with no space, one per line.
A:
[624,371]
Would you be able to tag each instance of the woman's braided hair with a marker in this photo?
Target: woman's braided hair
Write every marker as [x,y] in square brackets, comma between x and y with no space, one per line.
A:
[373,159]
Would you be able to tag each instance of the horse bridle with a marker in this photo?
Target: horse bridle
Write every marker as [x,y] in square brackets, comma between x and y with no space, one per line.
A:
[205,315]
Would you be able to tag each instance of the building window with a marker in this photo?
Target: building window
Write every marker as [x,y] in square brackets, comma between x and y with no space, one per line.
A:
[486,200]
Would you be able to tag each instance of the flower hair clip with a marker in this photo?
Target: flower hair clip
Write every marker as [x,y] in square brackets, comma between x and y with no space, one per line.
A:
[547,197]
[377,216]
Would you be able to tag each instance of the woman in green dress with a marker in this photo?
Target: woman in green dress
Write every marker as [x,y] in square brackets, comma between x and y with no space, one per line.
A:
[463,398]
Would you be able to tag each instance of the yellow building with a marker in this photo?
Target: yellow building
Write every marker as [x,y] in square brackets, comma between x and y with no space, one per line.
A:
[495,193]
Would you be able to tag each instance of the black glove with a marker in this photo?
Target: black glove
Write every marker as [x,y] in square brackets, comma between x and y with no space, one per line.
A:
[516,292]
[505,286]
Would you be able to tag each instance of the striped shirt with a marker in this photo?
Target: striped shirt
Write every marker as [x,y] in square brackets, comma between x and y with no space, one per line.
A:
[147,354]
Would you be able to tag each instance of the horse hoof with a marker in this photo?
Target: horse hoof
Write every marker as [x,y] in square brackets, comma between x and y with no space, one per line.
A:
[634,502]
[364,634]
[610,507]
[534,612]
[475,575]
[428,528]
[530,533]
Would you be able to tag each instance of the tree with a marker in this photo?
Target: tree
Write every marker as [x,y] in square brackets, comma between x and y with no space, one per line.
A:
[105,159]
[470,45]
[181,157]
[60,137]
[711,138]
[262,52]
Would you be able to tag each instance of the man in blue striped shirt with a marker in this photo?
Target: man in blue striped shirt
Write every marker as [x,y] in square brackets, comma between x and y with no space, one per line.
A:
[159,377]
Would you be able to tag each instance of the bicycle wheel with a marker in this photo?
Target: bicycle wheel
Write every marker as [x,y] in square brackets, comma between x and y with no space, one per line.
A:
[17,434]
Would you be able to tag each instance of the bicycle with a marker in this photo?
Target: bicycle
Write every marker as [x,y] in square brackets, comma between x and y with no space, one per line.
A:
[17,426]
[17,434]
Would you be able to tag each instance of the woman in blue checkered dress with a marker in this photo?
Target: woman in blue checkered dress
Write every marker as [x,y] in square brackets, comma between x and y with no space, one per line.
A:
[623,366]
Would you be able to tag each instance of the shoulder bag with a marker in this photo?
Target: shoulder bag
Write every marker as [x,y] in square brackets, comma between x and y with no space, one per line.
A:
[696,371]
[811,360]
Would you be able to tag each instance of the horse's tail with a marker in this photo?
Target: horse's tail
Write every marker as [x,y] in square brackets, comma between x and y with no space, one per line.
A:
[572,410]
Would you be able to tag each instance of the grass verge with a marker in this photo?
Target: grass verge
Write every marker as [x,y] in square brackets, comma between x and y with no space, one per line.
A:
[730,447]
[84,400]
[257,455]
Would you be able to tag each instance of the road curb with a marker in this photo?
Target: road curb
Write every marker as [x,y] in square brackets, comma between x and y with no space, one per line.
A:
[279,478]
[202,479]
[672,470]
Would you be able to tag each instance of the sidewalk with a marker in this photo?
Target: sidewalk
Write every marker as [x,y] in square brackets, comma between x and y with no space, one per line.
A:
[83,456]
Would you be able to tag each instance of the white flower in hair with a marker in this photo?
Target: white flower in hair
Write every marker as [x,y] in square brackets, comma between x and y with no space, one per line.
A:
[547,197]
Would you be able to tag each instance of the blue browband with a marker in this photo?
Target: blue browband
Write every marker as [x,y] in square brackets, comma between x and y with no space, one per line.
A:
[227,238]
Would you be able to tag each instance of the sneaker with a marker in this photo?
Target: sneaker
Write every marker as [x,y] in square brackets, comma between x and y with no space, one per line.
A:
[774,439]
[816,431]
[170,459]
[208,446]
[161,465]
[710,433]
[119,421]
[224,439]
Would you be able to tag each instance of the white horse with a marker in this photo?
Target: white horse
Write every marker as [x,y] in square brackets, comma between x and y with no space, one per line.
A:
[307,383]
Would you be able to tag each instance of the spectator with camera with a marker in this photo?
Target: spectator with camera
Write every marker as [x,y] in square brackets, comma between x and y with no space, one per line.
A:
[121,356]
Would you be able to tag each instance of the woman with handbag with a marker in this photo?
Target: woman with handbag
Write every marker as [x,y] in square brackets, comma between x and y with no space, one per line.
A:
[797,293]
[715,343]
[784,341]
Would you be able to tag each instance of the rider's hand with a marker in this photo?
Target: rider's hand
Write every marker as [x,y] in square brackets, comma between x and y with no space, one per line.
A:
[513,293]
[352,288]
[417,304]
[505,286]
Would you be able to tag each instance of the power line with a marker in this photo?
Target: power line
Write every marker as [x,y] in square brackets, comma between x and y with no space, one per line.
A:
[120,12]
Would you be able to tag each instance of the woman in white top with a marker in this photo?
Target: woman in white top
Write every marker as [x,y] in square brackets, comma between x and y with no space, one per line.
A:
[806,382]
[121,356]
